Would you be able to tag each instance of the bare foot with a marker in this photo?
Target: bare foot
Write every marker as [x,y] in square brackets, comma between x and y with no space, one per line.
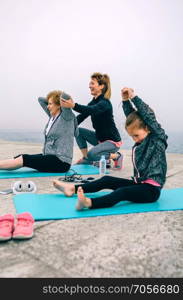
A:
[67,188]
[83,201]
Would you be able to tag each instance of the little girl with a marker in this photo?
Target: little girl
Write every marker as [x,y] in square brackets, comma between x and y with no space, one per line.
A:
[148,158]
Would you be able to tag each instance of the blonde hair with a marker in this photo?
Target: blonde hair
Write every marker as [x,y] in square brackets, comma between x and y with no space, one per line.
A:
[135,120]
[105,80]
[55,95]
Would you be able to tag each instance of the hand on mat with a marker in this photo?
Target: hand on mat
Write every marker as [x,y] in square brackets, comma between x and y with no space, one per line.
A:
[21,187]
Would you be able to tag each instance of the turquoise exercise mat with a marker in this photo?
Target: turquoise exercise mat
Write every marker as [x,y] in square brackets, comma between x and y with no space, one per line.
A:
[58,206]
[28,172]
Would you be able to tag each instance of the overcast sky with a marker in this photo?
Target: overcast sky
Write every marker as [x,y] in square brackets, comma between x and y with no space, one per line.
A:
[58,44]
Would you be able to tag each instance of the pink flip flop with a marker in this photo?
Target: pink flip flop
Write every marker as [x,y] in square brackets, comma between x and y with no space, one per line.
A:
[6,227]
[24,226]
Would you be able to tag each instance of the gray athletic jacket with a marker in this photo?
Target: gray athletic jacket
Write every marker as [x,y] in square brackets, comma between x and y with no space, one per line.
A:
[148,157]
[60,139]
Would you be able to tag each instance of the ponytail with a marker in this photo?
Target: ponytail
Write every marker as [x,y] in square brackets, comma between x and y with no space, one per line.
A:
[107,91]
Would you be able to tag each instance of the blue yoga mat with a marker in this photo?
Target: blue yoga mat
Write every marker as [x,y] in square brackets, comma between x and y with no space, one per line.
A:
[58,206]
[28,172]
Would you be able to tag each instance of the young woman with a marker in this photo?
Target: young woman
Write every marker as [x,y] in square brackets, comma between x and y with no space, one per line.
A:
[148,157]
[59,139]
[105,138]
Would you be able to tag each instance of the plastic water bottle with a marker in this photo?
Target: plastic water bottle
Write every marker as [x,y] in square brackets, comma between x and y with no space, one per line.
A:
[102,166]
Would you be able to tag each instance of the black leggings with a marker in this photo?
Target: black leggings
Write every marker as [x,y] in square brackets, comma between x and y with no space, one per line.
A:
[124,190]
[44,163]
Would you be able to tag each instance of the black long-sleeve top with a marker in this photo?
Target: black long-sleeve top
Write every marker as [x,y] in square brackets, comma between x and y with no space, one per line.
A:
[149,156]
[101,112]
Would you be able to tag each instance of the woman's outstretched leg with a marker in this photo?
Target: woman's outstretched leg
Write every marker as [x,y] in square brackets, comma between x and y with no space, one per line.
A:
[11,164]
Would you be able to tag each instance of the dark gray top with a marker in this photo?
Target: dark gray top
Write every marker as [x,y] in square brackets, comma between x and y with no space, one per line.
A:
[149,155]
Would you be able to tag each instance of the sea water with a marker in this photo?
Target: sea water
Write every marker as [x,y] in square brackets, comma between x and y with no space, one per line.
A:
[175,139]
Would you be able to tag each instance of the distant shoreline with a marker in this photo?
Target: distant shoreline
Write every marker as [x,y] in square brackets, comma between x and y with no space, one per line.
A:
[36,143]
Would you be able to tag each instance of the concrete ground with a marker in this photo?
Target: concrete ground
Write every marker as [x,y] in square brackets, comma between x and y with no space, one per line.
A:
[133,245]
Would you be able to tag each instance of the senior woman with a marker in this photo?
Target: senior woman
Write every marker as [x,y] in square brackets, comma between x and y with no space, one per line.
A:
[105,137]
[59,140]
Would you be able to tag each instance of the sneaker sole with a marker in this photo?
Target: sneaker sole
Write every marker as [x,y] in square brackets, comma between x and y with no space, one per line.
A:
[4,239]
[22,237]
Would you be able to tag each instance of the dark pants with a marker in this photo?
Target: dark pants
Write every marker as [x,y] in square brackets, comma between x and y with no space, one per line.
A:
[44,163]
[123,190]
[94,154]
